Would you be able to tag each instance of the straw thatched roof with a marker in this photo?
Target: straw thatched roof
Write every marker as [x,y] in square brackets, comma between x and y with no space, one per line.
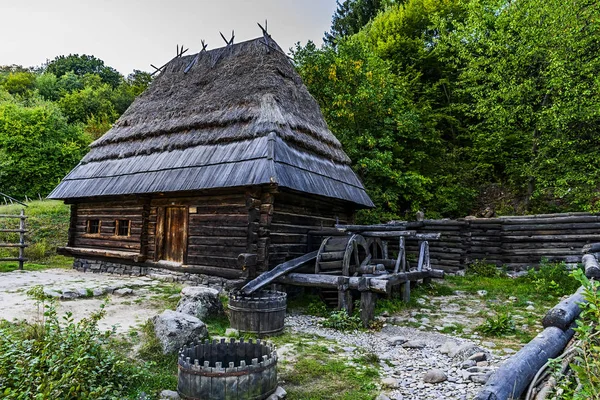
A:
[239,116]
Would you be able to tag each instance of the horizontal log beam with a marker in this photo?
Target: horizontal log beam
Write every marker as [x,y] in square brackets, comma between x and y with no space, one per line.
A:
[564,313]
[378,284]
[515,374]
[82,251]
[590,263]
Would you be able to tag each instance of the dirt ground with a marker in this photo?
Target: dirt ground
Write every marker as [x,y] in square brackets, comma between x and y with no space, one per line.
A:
[123,311]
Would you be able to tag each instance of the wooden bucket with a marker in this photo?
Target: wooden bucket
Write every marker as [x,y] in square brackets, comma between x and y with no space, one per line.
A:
[261,313]
[227,370]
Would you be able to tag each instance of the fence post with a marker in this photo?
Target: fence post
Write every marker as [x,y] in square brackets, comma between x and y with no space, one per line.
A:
[21,239]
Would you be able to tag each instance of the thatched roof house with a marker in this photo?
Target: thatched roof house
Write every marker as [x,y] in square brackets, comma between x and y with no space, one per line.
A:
[228,128]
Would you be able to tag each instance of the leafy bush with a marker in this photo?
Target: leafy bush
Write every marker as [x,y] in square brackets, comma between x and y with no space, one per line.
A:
[54,359]
[501,324]
[552,279]
[583,382]
[341,321]
[317,308]
[481,268]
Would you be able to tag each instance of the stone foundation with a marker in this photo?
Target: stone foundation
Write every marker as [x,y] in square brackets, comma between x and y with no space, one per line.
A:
[108,267]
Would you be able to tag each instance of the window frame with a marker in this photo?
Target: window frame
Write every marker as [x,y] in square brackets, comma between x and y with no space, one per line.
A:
[88,227]
[118,226]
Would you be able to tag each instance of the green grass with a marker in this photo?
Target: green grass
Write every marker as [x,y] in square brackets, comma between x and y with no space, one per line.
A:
[317,374]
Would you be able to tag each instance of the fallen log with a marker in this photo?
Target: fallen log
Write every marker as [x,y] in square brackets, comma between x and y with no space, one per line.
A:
[564,313]
[592,269]
[513,377]
[591,248]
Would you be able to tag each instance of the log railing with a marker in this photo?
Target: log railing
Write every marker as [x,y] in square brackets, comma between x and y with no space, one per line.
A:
[21,242]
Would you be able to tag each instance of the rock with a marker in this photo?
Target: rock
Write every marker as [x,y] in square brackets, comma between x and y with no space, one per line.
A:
[530,308]
[481,356]
[512,298]
[468,364]
[349,349]
[480,378]
[279,394]
[414,344]
[231,332]
[391,383]
[69,295]
[52,293]
[83,292]
[385,314]
[482,293]
[174,329]
[98,292]
[396,340]
[382,397]
[488,344]
[482,363]
[169,395]
[508,351]
[434,376]
[465,351]
[123,292]
[448,347]
[200,301]
[425,321]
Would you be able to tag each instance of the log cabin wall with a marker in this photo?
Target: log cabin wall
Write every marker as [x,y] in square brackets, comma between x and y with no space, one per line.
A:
[515,242]
[218,230]
[107,214]
[294,215]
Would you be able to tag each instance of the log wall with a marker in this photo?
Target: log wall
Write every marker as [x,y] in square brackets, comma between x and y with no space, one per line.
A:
[107,213]
[293,216]
[217,229]
[516,242]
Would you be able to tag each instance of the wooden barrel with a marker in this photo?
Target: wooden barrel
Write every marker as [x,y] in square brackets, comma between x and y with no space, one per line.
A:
[261,313]
[227,370]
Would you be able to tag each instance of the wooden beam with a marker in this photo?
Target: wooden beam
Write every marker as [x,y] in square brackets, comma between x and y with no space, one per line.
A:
[82,251]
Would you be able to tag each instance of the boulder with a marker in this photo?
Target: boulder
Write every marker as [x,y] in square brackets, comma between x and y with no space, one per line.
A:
[464,351]
[200,301]
[434,376]
[391,383]
[169,395]
[174,329]
[448,347]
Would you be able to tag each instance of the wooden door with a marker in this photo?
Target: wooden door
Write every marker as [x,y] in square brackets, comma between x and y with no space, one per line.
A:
[175,234]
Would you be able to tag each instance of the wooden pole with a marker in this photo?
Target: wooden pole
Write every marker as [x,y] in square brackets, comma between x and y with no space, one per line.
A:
[21,239]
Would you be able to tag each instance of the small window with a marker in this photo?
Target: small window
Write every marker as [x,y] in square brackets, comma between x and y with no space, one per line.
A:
[93,226]
[123,227]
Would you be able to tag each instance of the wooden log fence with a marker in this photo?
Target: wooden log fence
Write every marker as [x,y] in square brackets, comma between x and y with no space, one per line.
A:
[21,245]
[517,242]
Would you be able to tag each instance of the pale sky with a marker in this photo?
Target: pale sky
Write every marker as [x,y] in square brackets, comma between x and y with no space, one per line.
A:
[132,34]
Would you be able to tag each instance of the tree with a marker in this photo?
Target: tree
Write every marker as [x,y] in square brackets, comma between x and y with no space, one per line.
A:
[83,64]
[38,148]
[19,82]
[350,17]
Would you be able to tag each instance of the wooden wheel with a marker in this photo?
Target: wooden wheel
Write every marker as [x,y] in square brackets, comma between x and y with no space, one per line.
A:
[342,256]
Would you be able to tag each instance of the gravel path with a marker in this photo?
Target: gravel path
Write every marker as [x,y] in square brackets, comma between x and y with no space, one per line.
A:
[403,368]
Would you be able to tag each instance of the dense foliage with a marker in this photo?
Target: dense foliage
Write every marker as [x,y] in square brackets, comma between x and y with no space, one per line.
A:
[55,359]
[454,106]
[49,115]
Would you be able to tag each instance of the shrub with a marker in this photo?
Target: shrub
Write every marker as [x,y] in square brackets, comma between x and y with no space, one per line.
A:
[53,359]
[583,381]
[552,278]
[341,321]
[482,268]
[501,324]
